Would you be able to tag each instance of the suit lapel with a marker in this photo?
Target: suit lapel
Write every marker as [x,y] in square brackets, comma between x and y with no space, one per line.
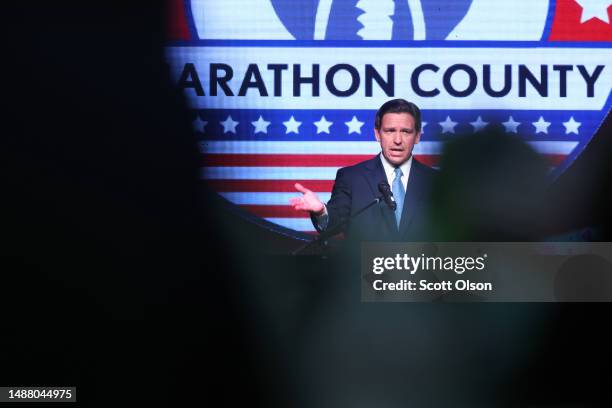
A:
[414,193]
[374,176]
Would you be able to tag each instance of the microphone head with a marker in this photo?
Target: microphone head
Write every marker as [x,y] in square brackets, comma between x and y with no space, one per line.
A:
[384,188]
[387,194]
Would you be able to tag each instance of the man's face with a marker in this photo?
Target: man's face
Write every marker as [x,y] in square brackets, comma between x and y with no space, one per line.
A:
[397,136]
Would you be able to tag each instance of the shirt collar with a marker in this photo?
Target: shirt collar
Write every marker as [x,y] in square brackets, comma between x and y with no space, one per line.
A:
[390,169]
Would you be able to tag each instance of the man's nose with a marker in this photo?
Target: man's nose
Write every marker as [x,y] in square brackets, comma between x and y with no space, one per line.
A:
[397,138]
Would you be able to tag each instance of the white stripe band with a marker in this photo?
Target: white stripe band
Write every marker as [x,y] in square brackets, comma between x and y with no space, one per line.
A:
[298,224]
[269,173]
[418,20]
[322,18]
[258,198]
[404,63]
[266,147]
[553,147]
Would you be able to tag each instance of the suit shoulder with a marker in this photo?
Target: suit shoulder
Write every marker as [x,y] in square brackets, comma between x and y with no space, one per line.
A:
[424,169]
[358,168]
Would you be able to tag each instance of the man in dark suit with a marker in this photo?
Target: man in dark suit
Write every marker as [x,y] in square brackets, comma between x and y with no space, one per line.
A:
[397,128]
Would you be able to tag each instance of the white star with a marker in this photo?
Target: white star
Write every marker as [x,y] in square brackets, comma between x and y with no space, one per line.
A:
[261,125]
[541,125]
[511,125]
[199,125]
[292,125]
[354,126]
[479,124]
[229,125]
[448,126]
[594,9]
[423,124]
[571,126]
[323,125]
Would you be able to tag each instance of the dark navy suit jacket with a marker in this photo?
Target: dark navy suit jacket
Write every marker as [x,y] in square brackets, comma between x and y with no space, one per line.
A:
[356,186]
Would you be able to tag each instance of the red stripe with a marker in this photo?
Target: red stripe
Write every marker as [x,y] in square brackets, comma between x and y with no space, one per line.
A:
[176,20]
[555,159]
[428,159]
[284,160]
[272,186]
[308,160]
[296,160]
[275,211]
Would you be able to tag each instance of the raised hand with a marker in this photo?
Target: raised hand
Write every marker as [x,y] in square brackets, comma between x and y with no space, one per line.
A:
[307,202]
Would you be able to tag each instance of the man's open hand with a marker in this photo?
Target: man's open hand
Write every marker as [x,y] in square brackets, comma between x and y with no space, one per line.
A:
[307,202]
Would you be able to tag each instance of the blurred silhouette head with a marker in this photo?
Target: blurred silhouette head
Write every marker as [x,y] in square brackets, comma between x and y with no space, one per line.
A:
[490,187]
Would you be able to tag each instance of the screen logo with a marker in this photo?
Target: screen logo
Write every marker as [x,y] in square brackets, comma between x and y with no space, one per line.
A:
[285,91]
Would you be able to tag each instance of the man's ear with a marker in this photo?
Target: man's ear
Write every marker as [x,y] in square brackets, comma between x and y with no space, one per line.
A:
[417,139]
[377,135]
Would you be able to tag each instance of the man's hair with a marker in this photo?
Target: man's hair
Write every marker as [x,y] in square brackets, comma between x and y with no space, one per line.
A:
[399,106]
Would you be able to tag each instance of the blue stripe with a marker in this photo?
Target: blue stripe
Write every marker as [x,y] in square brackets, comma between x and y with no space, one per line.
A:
[190,21]
[549,20]
[389,44]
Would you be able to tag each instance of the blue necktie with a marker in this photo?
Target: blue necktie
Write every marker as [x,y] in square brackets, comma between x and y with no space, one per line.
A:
[398,194]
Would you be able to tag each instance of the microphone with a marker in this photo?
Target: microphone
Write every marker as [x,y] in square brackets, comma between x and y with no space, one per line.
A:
[387,194]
